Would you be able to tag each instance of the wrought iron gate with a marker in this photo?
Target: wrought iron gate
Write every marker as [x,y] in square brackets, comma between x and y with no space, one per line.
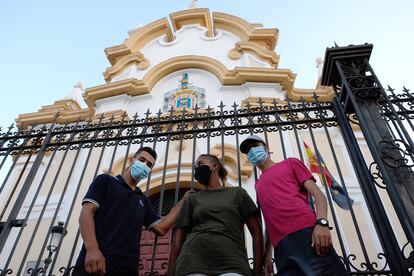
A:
[364,136]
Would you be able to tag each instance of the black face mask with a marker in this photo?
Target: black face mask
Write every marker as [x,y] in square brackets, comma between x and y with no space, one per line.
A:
[202,174]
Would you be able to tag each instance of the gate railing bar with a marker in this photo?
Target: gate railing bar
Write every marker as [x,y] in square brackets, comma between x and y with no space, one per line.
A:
[3,137]
[20,151]
[221,106]
[293,117]
[35,196]
[164,173]
[394,127]
[129,133]
[24,190]
[180,149]
[208,127]
[399,101]
[194,135]
[177,181]
[106,133]
[279,128]
[264,118]
[391,106]
[236,124]
[16,184]
[251,127]
[117,142]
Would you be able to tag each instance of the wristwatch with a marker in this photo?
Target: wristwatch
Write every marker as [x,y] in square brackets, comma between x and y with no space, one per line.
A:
[323,222]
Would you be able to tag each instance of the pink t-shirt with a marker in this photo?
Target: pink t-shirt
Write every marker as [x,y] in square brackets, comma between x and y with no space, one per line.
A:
[284,200]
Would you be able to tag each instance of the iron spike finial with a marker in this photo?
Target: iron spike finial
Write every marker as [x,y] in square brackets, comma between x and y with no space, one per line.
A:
[11,126]
[221,105]
[234,105]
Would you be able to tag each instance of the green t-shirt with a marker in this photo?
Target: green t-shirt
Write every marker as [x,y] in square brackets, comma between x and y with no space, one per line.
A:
[214,220]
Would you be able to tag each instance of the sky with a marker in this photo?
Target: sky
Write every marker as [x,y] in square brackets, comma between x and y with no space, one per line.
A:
[47,46]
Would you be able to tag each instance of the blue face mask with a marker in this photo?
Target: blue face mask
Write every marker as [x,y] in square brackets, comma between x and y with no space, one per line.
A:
[139,170]
[257,155]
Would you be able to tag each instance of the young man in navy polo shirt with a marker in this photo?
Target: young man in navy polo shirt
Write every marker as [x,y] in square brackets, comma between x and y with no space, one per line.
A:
[113,213]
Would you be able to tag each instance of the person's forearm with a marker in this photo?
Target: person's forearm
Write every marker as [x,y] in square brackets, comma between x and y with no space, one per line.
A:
[168,221]
[258,251]
[174,252]
[87,230]
[321,206]
[171,260]
[268,247]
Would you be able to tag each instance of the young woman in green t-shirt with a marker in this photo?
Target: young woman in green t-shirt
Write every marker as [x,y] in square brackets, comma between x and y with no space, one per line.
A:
[209,236]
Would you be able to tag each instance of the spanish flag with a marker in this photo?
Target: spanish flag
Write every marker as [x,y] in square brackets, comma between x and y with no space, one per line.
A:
[338,194]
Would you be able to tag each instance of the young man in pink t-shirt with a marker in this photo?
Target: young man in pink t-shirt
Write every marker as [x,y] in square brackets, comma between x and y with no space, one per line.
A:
[300,237]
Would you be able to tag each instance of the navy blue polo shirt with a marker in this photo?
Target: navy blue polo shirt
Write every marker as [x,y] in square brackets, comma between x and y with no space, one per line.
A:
[119,219]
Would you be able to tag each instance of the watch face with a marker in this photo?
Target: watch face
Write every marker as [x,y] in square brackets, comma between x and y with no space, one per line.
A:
[323,221]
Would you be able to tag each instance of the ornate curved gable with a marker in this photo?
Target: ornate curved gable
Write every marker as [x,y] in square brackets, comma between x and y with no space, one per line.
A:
[239,54]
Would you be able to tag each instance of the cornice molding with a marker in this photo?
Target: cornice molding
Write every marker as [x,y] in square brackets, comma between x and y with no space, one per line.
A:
[135,58]
[266,37]
[192,16]
[260,52]
[131,87]
[67,110]
[147,33]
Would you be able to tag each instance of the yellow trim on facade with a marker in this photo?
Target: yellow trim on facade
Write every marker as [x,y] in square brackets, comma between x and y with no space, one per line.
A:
[147,33]
[116,52]
[246,31]
[260,52]
[131,87]
[135,58]
[236,76]
[65,110]
[192,16]
[139,38]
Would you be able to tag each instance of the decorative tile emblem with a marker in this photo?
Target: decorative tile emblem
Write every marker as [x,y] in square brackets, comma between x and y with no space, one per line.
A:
[185,96]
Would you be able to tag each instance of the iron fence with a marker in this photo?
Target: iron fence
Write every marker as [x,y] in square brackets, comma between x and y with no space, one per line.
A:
[47,168]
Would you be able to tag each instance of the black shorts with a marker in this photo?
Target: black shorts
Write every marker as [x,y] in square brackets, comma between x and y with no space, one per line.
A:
[294,256]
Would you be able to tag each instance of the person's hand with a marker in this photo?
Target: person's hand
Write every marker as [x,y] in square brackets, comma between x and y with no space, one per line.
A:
[321,240]
[268,267]
[95,262]
[188,193]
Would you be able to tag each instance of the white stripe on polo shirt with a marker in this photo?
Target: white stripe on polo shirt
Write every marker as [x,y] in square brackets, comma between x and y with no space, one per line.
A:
[154,223]
[91,201]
